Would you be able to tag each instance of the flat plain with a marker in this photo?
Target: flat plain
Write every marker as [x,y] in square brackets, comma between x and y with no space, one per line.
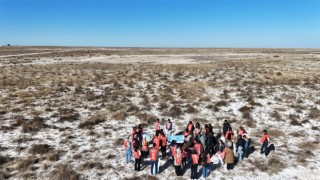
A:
[65,111]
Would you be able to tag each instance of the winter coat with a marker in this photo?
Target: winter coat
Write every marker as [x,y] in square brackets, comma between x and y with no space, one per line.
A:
[229,158]
[226,126]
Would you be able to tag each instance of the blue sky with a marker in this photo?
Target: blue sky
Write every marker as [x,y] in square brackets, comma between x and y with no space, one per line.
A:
[161,23]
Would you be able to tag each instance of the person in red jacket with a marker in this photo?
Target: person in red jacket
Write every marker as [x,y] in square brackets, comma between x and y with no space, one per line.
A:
[229,134]
[265,140]
[194,166]
[137,163]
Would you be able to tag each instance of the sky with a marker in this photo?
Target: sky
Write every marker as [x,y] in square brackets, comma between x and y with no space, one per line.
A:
[161,23]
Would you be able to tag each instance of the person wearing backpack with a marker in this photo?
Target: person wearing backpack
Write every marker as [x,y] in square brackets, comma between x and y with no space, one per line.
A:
[178,162]
[226,126]
[205,161]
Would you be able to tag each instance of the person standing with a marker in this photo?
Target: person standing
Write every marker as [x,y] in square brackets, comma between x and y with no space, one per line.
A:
[156,141]
[265,140]
[184,155]
[229,158]
[164,141]
[197,131]
[137,163]
[157,125]
[221,153]
[154,160]
[127,148]
[168,127]
[178,162]
[173,148]
[190,127]
[194,166]
[145,148]
[205,161]
[226,126]
[239,147]
[198,148]
[246,146]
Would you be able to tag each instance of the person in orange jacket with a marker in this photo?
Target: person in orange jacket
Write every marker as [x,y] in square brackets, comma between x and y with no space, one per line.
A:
[145,148]
[156,141]
[154,160]
[198,147]
[173,148]
[265,140]
[137,155]
[164,141]
[194,166]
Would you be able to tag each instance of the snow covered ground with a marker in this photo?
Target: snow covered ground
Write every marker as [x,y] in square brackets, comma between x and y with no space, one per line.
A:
[68,118]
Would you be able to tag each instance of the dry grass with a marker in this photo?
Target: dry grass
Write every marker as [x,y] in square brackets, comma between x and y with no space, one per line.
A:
[119,115]
[91,121]
[91,165]
[63,172]
[40,149]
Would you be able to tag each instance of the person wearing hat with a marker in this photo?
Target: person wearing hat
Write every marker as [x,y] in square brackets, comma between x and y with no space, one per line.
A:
[229,157]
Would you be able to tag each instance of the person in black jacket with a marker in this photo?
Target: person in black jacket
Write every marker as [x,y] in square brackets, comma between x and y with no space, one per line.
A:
[239,147]
[226,126]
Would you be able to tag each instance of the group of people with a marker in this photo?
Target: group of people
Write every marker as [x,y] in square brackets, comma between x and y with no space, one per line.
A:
[198,146]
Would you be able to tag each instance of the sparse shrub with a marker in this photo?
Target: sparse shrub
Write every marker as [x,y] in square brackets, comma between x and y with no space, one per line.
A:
[142,177]
[133,108]
[162,106]
[314,113]
[275,165]
[250,123]
[93,120]
[309,145]
[147,118]
[245,108]
[77,156]
[91,165]
[120,115]
[39,149]
[276,115]
[63,172]
[53,156]
[33,125]
[221,103]
[67,114]
[25,164]
[175,111]
[5,159]
[111,156]
[276,133]
[118,142]
[191,109]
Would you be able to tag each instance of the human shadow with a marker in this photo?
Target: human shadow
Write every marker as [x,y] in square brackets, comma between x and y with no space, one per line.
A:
[167,164]
[269,149]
